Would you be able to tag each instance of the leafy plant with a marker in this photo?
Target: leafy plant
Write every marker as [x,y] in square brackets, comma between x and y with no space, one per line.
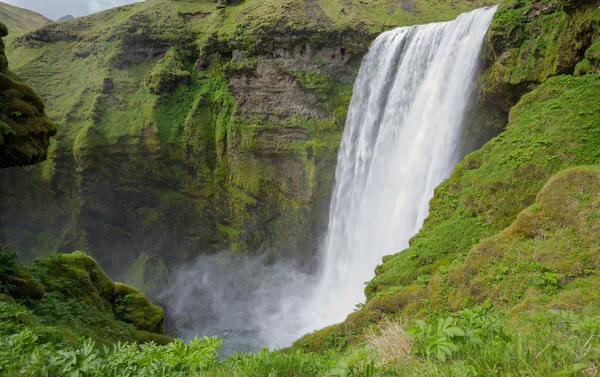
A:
[436,340]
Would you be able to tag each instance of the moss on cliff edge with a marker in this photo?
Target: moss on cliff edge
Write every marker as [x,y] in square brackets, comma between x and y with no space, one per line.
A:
[530,41]
[25,130]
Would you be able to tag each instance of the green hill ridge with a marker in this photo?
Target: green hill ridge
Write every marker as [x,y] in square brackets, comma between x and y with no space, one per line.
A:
[20,20]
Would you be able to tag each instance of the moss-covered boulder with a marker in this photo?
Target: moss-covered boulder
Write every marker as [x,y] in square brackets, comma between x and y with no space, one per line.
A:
[80,302]
[133,307]
[25,130]
[76,284]
[76,276]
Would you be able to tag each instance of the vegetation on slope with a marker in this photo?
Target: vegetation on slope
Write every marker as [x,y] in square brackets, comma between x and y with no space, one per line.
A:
[504,274]
[25,130]
[65,297]
[474,342]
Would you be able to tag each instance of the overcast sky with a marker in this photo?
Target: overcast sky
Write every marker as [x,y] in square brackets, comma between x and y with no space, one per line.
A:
[54,9]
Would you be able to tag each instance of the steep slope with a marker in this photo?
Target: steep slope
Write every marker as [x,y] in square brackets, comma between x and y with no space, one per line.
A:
[19,20]
[25,130]
[188,127]
[487,239]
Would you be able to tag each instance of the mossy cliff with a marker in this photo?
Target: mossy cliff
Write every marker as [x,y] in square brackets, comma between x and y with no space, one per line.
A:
[25,130]
[532,41]
[511,229]
[68,296]
[187,127]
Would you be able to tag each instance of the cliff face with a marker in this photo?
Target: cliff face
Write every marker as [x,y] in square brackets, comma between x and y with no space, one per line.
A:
[25,130]
[187,127]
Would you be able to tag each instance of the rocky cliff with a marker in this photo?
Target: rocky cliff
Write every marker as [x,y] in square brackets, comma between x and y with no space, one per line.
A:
[191,126]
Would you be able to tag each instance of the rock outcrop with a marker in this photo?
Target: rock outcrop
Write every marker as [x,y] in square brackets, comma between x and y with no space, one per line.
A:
[531,41]
[25,130]
[71,293]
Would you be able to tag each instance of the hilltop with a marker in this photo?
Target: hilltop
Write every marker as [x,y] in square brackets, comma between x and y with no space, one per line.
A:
[20,20]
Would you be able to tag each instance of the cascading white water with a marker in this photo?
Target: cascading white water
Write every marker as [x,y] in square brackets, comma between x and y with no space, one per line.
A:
[402,139]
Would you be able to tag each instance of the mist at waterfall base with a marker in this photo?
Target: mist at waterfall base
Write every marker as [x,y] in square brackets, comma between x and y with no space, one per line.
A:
[402,138]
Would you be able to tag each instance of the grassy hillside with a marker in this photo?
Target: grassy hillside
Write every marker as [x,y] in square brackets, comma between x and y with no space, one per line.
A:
[20,21]
[503,278]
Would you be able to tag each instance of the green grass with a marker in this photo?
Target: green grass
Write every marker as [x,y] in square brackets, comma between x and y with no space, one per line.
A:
[473,342]
[20,21]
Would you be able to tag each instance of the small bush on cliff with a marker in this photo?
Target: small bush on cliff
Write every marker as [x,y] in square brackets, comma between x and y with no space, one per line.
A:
[317,82]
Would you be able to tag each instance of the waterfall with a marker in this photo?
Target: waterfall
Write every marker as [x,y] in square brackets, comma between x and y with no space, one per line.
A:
[402,139]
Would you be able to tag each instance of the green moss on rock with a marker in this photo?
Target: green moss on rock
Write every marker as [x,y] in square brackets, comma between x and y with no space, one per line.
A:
[75,276]
[25,130]
[133,307]
[75,283]
[530,41]
[167,73]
